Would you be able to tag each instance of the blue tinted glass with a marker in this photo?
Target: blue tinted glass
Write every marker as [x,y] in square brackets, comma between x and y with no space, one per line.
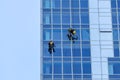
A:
[57,68]
[56,26]
[114,18]
[66,18]
[84,3]
[75,3]
[64,35]
[76,68]
[86,68]
[116,67]
[76,50]
[65,3]
[56,34]
[118,3]
[46,34]
[66,50]
[56,18]
[47,77]
[115,34]
[47,68]
[86,50]
[46,3]
[46,18]
[113,3]
[66,68]
[119,17]
[55,4]
[75,18]
[84,18]
[57,50]
[45,50]
[85,34]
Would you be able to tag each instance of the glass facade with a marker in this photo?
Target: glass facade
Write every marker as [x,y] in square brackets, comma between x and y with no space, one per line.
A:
[95,55]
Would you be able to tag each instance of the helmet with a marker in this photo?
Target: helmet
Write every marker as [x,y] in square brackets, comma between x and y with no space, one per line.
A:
[74,32]
[51,42]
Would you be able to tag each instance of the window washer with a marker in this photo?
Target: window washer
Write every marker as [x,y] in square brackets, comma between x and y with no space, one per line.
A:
[51,46]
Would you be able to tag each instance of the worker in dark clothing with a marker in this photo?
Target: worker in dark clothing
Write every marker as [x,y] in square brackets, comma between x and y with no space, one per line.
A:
[72,35]
[51,46]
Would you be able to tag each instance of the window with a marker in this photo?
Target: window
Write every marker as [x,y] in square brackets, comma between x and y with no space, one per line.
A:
[114,68]
[76,50]
[56,34]
[57,68]
[65,32]
[56,4]
[85,34]
[76,68]
[118,3]
[115,34]
[113,3]
[66,18]
[47,68]
[116,49]
[84,3]
[84,18]
[66,50]
[66,68]
[46,3]
[46,34]
[75,3]
[46,18]
[65,4]
[114,18]
[75,18]
[57,50]
[56,18]
[85,49]
[119,17]
[45,50]
[86,68]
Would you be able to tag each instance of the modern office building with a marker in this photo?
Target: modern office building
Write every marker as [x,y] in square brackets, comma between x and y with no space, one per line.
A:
[95,55]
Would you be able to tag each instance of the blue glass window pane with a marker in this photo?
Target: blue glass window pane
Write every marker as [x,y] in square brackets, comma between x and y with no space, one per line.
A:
[119,17]
[113,3]
[114,18]
[116,49]
[66,50]
[76,50]
[64,35]
[85,34]
[56,4]
[84,18]
[66,18]
[47,68]
[86,50]
[75,18]
[57,50]
[56,34]
[86,68]
[75,3]
[65,4]
[76,68]
[46,3]
[46,34]
[56,18]
[116,67]
[57,68]
[46,18]
[118,3]
[66,68]
[115,34]
[84,3]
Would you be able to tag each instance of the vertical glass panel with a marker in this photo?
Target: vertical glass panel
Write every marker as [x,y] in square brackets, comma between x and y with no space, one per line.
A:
[76,50]
[118,1]
[56,4]
[67,68]
[57,68]
[56,18]
[113,3]
[47,68]
[66,50]
[115,68]
[75,3]
[84,18]
[114,18]
[119,17]
[56,34]
[110,66]
[116,49]
[65,4]
[86,68]
[46,3]
[46,34]
[85,50]
[84,3]
[46,18]
[76,68]
[66,18]
[115,34]
[75,18]
[85,34]
[64,35]
[57,50]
